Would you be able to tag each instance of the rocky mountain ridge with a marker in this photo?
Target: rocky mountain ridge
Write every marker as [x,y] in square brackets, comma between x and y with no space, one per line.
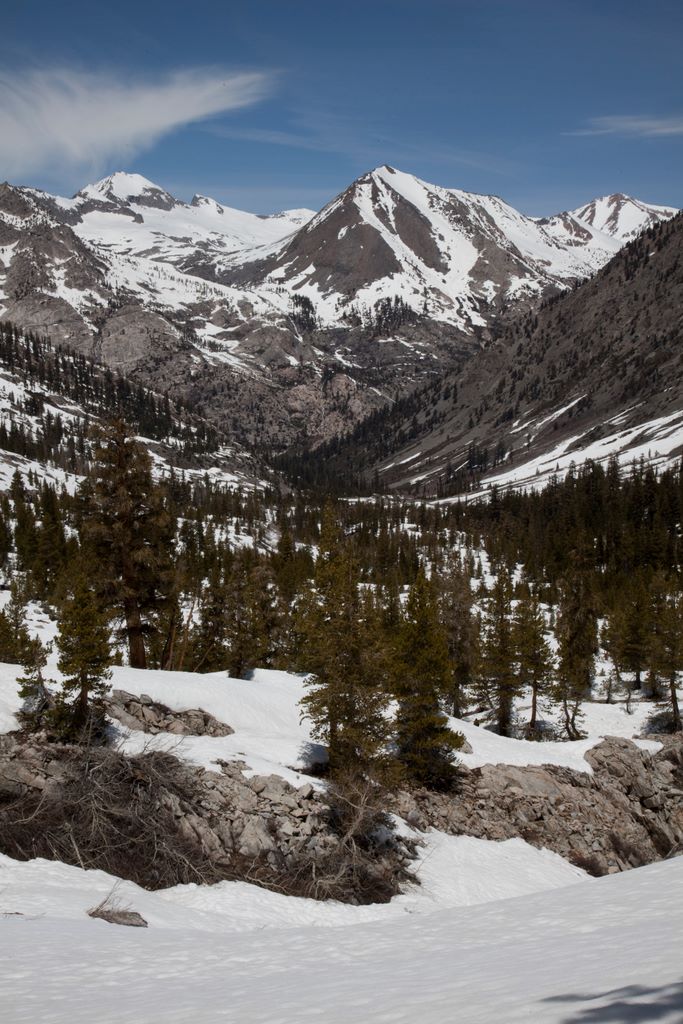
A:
[594,373]
[284,330]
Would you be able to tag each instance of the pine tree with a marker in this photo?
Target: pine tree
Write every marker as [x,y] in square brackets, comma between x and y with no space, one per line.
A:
[462,632]
[32,689]
[532,651]
[577,645]
[127,528]
[666,651]
[423,678]
[629,626]
[85,657]
[345,699]
[210,636]
[498,682]
[14,635]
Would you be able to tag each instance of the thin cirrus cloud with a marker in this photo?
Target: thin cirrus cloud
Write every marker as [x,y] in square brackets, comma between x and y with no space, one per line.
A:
[364,143]
[638,126]
[65,119]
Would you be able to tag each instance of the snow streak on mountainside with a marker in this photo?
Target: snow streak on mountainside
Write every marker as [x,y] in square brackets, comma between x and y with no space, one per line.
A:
[595,373]
[287,329]
[453,255]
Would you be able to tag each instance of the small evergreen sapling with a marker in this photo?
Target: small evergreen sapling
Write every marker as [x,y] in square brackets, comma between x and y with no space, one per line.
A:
[423,678]
[85,657]
[32,689]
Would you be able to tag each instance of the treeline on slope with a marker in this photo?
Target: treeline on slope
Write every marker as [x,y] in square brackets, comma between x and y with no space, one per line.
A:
[381,603]
[45,370]
[616,333]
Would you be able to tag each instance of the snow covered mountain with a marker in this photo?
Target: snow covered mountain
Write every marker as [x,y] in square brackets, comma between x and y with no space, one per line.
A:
[131,215]
[279,326]
[459,257]
[621,217]
[593,374]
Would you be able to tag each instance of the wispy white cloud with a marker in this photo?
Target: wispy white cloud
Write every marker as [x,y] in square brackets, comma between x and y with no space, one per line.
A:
[365,143]
[65,119]
[632,125]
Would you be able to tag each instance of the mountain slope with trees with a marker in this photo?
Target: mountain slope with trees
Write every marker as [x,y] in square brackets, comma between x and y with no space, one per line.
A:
[595,371]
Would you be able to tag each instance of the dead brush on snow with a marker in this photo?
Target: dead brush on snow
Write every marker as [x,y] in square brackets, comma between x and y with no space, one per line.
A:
[367,863]
[113,813]
[124,815]
[113,911]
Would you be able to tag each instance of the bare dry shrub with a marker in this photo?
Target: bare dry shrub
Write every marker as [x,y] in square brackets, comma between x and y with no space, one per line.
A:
[589,862]
[627,850]
[113,813]
[123,815]
[113,911]
[367,863]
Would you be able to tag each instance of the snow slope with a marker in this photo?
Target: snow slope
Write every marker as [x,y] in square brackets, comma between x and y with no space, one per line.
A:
[658,441]
[131,215]
[603,950]
[621,217]
[270,736]
[453,871]
[538,940]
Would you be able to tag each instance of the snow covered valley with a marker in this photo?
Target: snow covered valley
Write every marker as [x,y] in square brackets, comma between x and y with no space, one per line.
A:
[496,931]
[603,950]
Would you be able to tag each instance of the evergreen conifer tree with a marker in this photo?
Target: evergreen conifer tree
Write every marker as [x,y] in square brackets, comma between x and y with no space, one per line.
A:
[532,651]
[577,638]
[32,689]
[85,657]
[423,678]
[345,699]
[462,631]
[498,681]
[666,651]
[127,528]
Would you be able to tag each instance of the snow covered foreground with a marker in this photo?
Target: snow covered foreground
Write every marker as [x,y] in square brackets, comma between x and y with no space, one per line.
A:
[495,932]
[605,950]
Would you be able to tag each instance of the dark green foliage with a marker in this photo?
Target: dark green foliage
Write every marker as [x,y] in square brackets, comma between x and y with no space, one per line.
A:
[498,683]
[14,636]
[422,681]
[462,632]
[127,527]
[85,658]
[666,646]
[577,644]
[32,690]
[532,651]
[346,701]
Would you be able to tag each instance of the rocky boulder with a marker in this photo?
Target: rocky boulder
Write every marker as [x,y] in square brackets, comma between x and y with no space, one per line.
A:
[141,712]
[628,812]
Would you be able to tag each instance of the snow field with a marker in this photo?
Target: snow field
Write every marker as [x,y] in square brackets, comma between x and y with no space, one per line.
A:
[605,950]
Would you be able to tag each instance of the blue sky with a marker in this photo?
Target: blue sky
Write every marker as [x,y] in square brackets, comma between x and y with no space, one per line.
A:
[266,104]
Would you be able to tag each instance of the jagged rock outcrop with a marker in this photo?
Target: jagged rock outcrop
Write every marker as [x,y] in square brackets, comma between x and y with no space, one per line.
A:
[627,813]
[159,821]
[142,712]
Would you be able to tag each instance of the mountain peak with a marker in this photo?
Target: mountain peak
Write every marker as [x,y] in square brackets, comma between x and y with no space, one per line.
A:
[621,216]
[123,188]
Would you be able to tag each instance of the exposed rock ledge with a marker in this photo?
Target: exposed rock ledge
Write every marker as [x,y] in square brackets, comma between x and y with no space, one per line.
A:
[141,712]
[627,813]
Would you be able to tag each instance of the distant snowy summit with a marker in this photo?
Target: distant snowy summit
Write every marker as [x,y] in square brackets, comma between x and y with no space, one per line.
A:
[328,314]
[130,213]
[458,257]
